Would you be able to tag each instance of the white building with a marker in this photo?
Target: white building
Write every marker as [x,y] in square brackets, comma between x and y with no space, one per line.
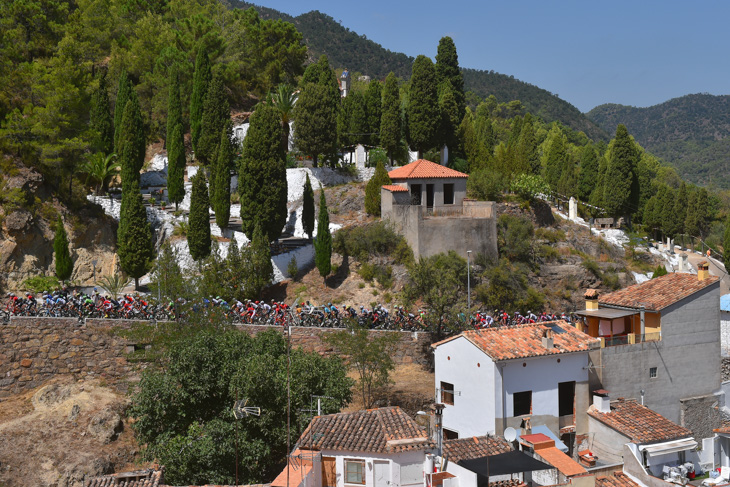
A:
[500,377]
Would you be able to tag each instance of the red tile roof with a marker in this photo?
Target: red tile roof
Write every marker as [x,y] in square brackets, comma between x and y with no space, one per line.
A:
[618,479]
[565,465]
[537,438]
[657,294]
[138,478]
[423,169]
[394,188]
[383,430]
[639,423]
[474,447]
[522,341]
[299,467]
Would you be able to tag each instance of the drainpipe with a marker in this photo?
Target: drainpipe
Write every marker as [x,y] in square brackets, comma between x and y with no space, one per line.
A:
[504,405]
[643,323]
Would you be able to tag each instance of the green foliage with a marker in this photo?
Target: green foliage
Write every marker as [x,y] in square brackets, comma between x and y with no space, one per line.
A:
[528,186]
[292,268]
[100,118]
[507,287]
[262,175]
[556,160]
[308,208]
[371,356]
[257,267]
[373,105]
[391,125]
[201,81]
[621,177]
[377,155]
[660,271]
[134,236]
[167,277]
[447,70]
[588,176]
[198,233]
[527,157]
[486,185]
[61,255]
[100,169]
[216,113]
[372,190]
[202,371]
[514,237]
[175,144]
[422,109]
[114,284]
[284,100]
[323,240]
[372,240]
[123,89]
[132,143]
[221,197]
[39,284]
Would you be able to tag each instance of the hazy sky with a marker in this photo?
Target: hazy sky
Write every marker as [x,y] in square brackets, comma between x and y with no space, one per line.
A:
[640,52]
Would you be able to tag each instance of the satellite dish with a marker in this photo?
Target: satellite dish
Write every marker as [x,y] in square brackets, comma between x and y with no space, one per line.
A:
[510,434]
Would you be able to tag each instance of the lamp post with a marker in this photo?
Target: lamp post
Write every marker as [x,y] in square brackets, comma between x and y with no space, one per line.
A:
[468,281]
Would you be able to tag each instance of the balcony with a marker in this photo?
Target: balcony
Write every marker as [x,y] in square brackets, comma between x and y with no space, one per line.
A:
[630,339]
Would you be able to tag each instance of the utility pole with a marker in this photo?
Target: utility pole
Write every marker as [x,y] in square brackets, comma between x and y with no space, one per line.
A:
[468,282]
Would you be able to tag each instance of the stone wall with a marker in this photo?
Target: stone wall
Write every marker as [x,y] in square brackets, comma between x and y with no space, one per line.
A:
[33,350]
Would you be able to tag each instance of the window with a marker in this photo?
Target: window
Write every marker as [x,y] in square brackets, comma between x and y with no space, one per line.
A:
[449,194]
[566,398]
[447,393]
[450,435]
[355,472]
[522,403]
[652,372]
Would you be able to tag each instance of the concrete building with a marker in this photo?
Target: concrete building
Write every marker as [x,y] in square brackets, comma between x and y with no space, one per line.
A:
[660,340]
[427,204]
[516,376]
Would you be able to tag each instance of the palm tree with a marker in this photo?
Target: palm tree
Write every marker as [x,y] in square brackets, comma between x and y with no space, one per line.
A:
[100,169]
[114,284]
[284,99]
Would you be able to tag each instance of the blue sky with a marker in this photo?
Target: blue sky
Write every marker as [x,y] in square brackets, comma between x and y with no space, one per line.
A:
[639,53]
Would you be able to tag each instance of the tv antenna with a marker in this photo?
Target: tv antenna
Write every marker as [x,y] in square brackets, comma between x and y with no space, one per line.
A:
[241,410]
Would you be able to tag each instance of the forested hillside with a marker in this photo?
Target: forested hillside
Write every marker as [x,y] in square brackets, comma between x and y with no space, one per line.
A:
[324,35]
[690,132]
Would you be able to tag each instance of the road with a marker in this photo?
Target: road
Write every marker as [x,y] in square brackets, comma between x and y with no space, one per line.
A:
[716,269]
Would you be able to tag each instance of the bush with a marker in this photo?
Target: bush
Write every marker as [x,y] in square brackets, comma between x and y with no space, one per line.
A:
[514,237]
[373,239]
[660,271]
[591,266]
[486,185]
[528,186]
[377,155]
[39,284]
[508,288]
[292,268]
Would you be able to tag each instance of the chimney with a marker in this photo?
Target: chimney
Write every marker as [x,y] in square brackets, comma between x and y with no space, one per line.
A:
[547,339]
[601,401]
[591,296]
[702,270]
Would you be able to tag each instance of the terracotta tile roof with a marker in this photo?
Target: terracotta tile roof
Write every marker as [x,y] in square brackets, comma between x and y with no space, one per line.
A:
[138,478]
[522,341]
[507,483]
[383,430]
[537,438]
[591,293]
[299,467]
[423,169]
[639,423]
[618,479]
[657,294]
[394,188]
[565,465]
[724,429]
[474,447]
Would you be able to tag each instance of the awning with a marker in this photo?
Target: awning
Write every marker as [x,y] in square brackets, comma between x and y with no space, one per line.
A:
[669,447]
[607,313]
[504,464]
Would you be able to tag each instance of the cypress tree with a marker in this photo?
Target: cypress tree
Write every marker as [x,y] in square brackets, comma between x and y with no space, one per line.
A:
[216,112]
[528,158]
[308,208]
[134,237]
[588,172]
[262,175]
[555,161]
[201,80]
[323,240]
[372,190]
[473,151]
[447,69]
[132,143]
[373,103]
[422,111]
[175,144]
[100,118]
[680,209]
[199,219]
[64,264]
[345,137]
[258,263]
[391,131]
[621,182]
[667,215]
[359,123]
[123,89]
[451,115]
[221,199]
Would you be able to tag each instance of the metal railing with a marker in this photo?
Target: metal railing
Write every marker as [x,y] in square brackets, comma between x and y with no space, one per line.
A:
[630,339]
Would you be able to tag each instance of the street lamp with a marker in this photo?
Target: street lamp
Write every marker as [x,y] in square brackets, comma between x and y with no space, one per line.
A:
[468,282]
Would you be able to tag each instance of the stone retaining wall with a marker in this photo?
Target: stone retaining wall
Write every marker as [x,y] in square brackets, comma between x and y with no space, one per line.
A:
[33,350]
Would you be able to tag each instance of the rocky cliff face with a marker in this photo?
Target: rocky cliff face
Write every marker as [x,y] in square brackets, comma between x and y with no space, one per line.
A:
[27,231]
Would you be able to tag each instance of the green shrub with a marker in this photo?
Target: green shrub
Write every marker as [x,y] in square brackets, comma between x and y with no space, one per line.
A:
[591,266]
[367,271]
[529,186]
[552,235]
[610,280]
[292,268]
[548,252]
[486,185]
[377,155]
[373,239]
[660,271]
[514,237]
[508,288]
[39,284]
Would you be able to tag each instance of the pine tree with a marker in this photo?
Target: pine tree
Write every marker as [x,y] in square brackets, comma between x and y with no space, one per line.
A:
[680,209]
[201,80]
[588,172]
[451,116]
[100,118]
[262,175]
[345,137]
[257,261]
[422,111]
[308,208]
[221,199]
[447,69]
[323,240]
[123,89]
[555,161]
[132,143]
[621,183]
[391,131]
[216,112]
[134,237]
[373,103]
[199,219]
[473,151]
[234,271]
[528,158]
[372,190]
[175,144]
[167,276]
[667,205]
[61,254]
[359,123]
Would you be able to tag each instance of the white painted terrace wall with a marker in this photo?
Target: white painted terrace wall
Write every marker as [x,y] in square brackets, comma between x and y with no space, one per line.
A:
[396,460]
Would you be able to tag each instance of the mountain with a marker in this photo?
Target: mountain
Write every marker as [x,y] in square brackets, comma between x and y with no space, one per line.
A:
[691,132]
[345,48]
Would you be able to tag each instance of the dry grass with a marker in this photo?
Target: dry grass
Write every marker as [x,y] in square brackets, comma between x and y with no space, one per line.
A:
[412,389]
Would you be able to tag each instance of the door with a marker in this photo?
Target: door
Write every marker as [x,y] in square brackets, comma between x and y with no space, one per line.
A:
[328,472]
[416,194]
[381,471]
[429,195]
